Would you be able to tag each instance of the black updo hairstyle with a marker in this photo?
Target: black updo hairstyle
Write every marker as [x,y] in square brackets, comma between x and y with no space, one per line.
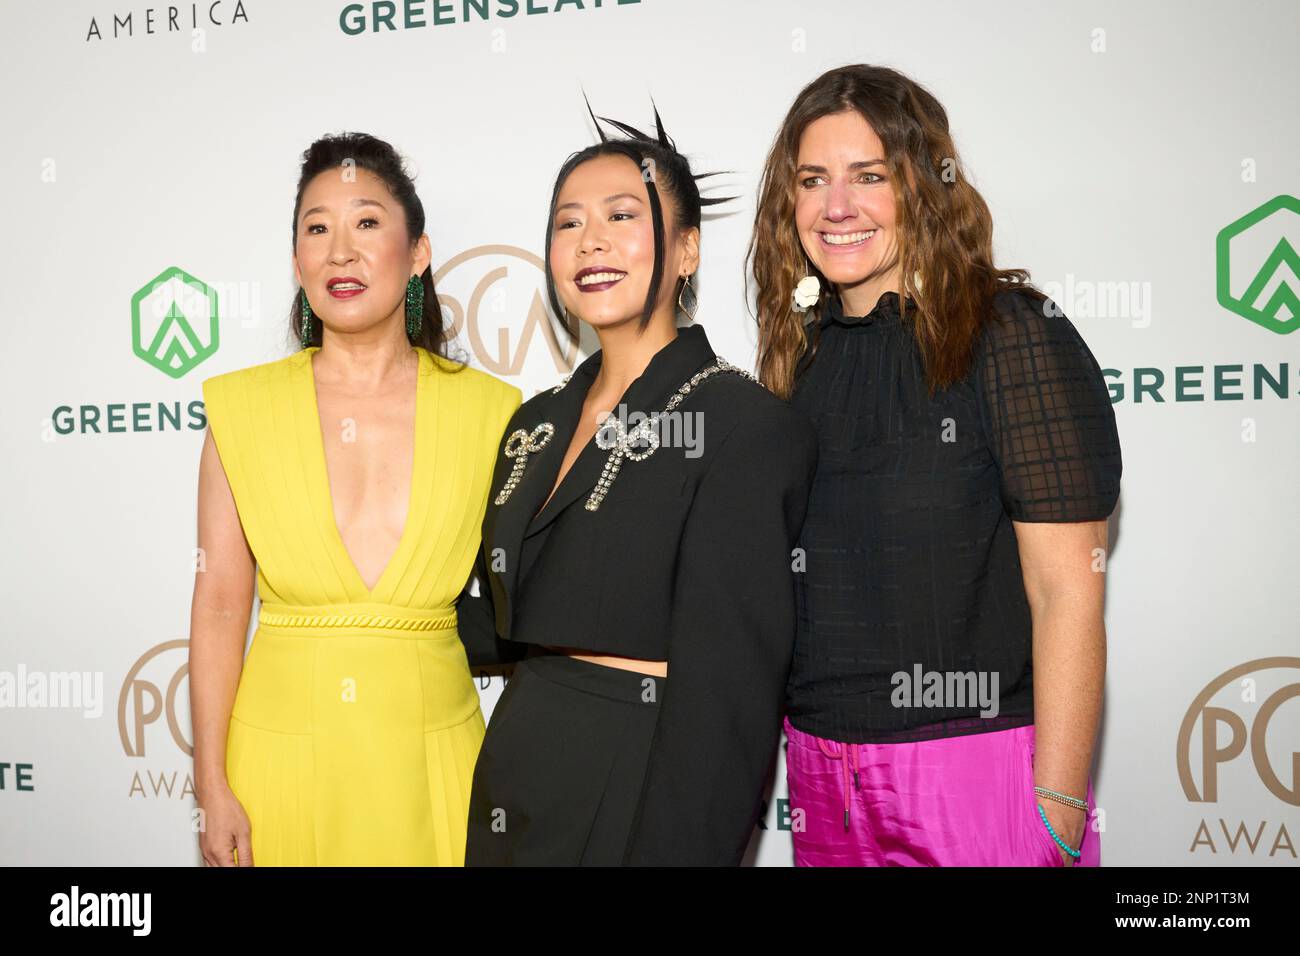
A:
[668,169]
[369,152]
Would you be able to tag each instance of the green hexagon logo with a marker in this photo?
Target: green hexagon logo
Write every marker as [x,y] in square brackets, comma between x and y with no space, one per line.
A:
[164,314]
[1267,294]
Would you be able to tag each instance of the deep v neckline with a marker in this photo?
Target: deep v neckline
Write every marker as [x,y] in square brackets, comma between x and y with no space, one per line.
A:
[564,474]
[560,480]
[417,457]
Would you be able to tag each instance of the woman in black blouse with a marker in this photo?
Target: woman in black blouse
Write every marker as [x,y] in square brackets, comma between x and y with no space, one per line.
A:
[947,681]
[647,569]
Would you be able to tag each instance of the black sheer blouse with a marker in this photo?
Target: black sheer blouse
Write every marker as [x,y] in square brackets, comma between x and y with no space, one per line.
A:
[912,563]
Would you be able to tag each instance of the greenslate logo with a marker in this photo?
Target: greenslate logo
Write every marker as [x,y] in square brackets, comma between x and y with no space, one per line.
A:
[161,315]
[1268,295]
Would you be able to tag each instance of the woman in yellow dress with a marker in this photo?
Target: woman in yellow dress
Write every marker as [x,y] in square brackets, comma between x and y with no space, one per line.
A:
[354,474]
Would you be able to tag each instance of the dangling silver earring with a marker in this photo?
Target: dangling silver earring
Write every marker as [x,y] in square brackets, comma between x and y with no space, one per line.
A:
[695,299]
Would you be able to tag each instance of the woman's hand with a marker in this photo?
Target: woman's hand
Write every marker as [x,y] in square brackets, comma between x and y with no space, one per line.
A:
[219,612]
[226,830]
[1069,824]
[1064,573]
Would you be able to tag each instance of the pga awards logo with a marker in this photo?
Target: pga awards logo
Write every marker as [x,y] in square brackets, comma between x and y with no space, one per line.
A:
[1239,745]
[153,711]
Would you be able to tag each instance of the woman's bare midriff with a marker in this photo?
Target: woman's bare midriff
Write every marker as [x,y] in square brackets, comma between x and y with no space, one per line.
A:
[653,668]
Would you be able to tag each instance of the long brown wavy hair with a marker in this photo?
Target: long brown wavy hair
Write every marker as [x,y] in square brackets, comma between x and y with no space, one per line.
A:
[944,227]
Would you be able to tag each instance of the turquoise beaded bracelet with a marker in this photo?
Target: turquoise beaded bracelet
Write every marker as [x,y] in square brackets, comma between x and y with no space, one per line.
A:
[1059,842]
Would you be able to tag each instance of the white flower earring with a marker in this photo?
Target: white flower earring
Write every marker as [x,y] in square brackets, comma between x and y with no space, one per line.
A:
[806,293]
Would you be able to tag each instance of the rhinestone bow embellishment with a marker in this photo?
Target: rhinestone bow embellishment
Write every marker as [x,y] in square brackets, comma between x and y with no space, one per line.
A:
[519,446]
[626,442]
[637,443]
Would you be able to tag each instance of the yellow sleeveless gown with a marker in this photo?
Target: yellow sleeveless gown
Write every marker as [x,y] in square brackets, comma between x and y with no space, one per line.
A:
[356,724]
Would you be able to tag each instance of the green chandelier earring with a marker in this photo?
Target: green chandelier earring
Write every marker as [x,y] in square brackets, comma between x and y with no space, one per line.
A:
[414,307]
[304,328]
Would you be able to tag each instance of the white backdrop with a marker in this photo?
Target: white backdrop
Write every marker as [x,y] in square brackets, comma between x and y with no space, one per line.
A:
[1113,141]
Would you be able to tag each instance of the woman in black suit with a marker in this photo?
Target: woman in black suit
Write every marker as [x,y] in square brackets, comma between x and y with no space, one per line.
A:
[643,564]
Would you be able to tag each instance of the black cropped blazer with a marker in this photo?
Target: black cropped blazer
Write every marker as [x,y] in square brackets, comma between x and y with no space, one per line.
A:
[688,559]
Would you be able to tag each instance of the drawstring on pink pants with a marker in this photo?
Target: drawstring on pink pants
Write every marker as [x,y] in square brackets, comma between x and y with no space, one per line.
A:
[838,754]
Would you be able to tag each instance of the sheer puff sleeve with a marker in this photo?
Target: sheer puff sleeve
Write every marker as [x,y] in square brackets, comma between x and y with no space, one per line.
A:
[1047,414]
[729,652]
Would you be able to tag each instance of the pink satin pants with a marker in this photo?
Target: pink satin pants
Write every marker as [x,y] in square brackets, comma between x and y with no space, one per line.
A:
[954,801]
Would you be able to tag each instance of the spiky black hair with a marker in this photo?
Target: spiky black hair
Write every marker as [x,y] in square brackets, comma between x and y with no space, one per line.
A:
[667,168]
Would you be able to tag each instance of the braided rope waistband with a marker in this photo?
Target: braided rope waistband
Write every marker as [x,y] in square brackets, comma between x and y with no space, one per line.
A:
[404,621]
